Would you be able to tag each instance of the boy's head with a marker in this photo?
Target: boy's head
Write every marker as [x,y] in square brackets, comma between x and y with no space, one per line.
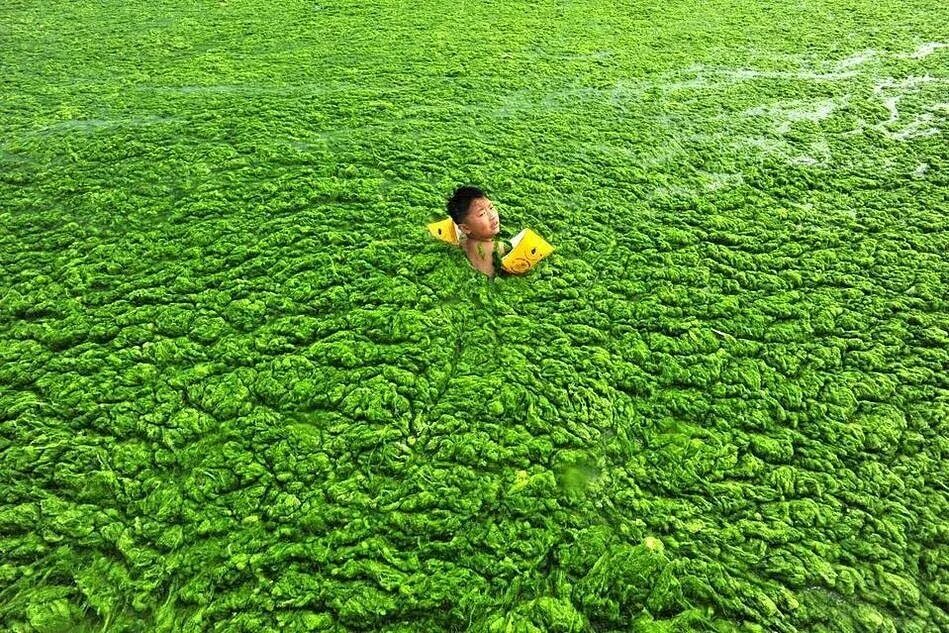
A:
[474,214]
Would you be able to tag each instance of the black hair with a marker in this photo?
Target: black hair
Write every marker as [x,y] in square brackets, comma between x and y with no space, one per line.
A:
[460,202]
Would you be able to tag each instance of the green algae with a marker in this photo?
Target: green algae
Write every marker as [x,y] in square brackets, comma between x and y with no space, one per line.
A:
[241,389]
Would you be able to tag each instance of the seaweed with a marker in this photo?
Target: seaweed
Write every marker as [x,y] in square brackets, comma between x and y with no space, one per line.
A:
[242,390]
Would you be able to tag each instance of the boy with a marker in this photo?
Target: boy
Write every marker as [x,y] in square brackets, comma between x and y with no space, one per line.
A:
[478,220]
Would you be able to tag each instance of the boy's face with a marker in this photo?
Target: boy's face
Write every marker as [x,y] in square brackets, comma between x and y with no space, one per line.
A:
[482,221]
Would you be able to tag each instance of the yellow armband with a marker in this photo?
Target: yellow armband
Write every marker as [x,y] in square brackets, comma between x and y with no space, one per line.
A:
[444,230]
[527,248]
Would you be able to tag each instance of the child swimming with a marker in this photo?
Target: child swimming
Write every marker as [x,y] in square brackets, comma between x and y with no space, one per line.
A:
[479,222]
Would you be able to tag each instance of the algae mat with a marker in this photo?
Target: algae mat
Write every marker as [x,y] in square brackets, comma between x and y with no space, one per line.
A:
[242,389]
